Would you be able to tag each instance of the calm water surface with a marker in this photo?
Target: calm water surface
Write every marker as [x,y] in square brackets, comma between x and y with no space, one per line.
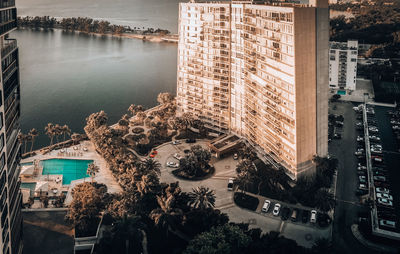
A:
[140,13]
[67,76]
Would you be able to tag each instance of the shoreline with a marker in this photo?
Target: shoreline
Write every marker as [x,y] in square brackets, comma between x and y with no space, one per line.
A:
[157,38]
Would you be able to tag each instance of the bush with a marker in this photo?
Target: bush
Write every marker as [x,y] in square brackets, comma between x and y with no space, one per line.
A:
[137,130]
[245,201]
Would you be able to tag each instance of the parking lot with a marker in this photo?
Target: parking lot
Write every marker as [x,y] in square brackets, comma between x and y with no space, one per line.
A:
[348,205]
[304,233]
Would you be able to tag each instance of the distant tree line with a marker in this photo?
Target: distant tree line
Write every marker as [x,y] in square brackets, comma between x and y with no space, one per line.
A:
[377,24]
[86,25]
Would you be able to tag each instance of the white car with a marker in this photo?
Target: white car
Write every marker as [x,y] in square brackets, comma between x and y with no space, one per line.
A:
[266,205]
[382,190]
[176,142]
[276,210]
[172,164]
[177,156]
[384,195]
[230,184]
[313,217]
[384,201]
[235,156]
[362,186]
[387,223]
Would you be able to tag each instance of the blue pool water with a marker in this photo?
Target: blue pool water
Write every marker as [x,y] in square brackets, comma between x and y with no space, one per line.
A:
[341,92]
[70,169]
[30,186]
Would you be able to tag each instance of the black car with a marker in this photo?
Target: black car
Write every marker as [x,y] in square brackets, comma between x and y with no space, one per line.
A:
[285,213]
[305,216]
[361,192]
[190,140]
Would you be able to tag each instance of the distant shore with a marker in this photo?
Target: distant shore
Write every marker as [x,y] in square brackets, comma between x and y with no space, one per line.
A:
[96,27]
[170,38]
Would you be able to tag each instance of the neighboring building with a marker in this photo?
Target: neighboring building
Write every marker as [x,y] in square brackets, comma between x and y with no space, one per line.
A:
[343,65]
[259,71]
[10,195]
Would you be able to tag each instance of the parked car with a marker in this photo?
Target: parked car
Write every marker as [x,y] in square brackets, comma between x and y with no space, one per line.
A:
[235,156]
[190,140]
[362,186]
[387,223]
[285,213]
[176,142]
[230,184]
[384,195]
[305,215]
[382,190]
[361,192]
[359,138]
[266,206]
[380,178]
[313,217]
[384,201]
[277,209]
[295,214]
[177,156]
[152,154]
[172,164]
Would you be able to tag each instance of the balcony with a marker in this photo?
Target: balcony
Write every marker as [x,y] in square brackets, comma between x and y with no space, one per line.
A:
[5,4]
[9,46]
[8,20]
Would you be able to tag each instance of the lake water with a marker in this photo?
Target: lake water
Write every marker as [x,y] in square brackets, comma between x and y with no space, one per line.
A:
[139,13]
[67,76]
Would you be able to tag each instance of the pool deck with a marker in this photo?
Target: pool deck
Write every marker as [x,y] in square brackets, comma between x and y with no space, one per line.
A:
[103,176]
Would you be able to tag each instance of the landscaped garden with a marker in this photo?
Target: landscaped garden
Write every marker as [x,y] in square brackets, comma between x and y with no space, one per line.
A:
[195,164]
[256,177]
[155,217]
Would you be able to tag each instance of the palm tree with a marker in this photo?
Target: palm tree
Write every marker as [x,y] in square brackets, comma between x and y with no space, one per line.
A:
[165,216]
[202,198]
[22,138]
[75,137]
[50,132]
[324,200]
[33,133]
[149,165]
[57,131]
[128,230]
[66,130]
[149,183]
[322,245]
[92,170]
[132,109]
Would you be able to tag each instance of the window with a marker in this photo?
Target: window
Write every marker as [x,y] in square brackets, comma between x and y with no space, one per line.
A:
[1,142]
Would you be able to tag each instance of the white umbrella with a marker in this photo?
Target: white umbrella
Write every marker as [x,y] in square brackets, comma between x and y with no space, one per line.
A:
[42,186]
[27,170]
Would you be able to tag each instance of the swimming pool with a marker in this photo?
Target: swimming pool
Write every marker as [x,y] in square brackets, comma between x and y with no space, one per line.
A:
[341,92]
[70,169]
[30,186]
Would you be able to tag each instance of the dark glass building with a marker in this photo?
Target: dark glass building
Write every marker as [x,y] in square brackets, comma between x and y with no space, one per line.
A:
[10,153]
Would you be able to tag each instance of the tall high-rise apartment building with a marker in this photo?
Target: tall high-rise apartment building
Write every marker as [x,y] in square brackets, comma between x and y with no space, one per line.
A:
[10,195]
[260,71]
[343,64]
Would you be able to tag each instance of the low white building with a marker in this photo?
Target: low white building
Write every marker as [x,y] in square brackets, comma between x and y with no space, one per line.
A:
[343,65]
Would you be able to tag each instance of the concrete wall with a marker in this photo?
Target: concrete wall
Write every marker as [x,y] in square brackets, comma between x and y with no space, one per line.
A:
[306,92]
[322,43]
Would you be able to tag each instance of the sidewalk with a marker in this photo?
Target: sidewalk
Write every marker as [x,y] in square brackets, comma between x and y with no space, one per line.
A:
[371,245]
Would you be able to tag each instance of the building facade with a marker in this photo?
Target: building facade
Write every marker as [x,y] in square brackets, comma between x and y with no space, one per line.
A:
[10,195]
[343,65]
[259,71]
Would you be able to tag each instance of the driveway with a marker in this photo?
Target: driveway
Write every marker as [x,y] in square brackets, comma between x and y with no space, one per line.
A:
[304,234]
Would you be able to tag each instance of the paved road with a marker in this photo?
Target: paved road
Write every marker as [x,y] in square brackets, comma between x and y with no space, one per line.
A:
[347,205]
[224,169]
